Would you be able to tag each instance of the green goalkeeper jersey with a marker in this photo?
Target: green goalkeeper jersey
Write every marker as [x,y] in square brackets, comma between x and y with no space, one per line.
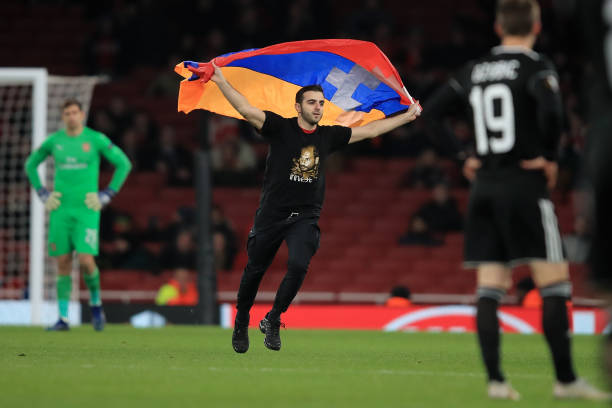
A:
[77,164]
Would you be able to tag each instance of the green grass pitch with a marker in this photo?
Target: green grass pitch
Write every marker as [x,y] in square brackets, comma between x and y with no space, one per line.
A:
[182,366]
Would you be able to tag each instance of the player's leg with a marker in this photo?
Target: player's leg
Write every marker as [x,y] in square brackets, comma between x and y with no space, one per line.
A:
[91,277]
[60,248]
[261,249]
[493,280]
[303,241]
[85,239]
[485,249]
[552,279]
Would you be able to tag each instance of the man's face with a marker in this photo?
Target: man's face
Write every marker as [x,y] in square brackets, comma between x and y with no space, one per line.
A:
[311,108]
[73,117]
[306,160]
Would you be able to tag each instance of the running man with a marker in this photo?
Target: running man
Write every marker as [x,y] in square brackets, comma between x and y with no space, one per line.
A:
[292,196]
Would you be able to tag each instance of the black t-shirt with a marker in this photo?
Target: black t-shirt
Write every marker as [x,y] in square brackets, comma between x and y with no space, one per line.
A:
[294,178]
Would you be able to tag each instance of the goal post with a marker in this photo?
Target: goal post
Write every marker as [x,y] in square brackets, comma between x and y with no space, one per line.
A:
[30,101]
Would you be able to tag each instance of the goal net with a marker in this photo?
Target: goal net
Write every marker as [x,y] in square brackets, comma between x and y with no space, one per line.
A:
[30,109]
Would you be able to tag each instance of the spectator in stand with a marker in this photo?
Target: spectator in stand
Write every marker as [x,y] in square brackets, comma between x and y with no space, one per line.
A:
[399,297]
[180,253]
[145,127]
[139,155]
[174,160]
[165,84]
[181,290]
[233,163]
[102,48]
[577,245]
[122,249]
[419,234]
[402,142]
[120,115]
[441,213]
[219,251]
[228,244]
[426,173]
[182,219]
[102,120]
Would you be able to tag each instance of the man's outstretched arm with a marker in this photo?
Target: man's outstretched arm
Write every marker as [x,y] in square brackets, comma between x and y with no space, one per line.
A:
[253,115]
[379,127]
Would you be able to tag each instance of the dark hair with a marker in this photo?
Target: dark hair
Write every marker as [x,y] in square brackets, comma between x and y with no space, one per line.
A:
[71,102]
[299,96]
[400,291]
[517,17]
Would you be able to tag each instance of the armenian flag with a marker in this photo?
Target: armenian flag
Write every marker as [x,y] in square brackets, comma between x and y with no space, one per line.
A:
[359,83]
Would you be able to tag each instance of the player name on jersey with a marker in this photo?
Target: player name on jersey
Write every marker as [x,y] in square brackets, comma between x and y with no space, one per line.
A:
[495,71]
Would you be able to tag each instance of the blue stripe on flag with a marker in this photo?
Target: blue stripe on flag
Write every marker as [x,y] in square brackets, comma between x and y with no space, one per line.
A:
[314,67]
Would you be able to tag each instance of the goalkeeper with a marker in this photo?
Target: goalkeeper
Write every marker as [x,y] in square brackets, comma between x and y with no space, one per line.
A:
[74,204]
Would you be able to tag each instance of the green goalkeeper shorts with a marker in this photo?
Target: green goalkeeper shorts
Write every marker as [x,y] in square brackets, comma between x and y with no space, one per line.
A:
[73,229]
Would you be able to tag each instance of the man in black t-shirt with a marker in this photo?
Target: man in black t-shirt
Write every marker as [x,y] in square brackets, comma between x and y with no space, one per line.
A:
[292,196]
[514,96]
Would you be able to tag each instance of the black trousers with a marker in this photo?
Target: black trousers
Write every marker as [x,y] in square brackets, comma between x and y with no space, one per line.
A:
[302,235]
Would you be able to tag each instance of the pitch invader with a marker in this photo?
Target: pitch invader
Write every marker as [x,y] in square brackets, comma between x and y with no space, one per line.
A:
[74,204]
[513,93]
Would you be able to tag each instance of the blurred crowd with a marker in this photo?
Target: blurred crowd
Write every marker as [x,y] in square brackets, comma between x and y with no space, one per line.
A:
[126,36]
[159,248]
[426,45]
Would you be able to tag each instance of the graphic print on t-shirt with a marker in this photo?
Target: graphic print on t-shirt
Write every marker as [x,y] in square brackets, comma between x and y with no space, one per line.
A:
[306,168]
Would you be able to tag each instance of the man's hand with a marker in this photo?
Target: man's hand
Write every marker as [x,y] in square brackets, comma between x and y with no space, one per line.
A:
[414,111]
[50,199]
[382,126]
[203,72]
[471,165]
[549,168]
[95,201]
[217,75]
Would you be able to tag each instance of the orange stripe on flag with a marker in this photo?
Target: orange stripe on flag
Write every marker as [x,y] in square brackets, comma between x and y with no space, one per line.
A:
[262,90]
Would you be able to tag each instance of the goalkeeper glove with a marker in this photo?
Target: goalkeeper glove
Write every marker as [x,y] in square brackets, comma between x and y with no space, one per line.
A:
[95,201]
[50,199]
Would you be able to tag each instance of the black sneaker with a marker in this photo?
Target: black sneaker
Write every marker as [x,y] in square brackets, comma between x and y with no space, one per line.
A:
[263,324]
[272,330]
[240,336]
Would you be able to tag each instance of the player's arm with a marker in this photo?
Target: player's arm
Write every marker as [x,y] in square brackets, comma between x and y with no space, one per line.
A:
[544,87]
[448,95]
[51,199]
[253,115]
[381,126]
[448,98]
[122,164]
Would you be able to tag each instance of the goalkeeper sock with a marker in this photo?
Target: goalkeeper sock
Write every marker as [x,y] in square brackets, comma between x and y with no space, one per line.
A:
[92,281]
[64,287]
